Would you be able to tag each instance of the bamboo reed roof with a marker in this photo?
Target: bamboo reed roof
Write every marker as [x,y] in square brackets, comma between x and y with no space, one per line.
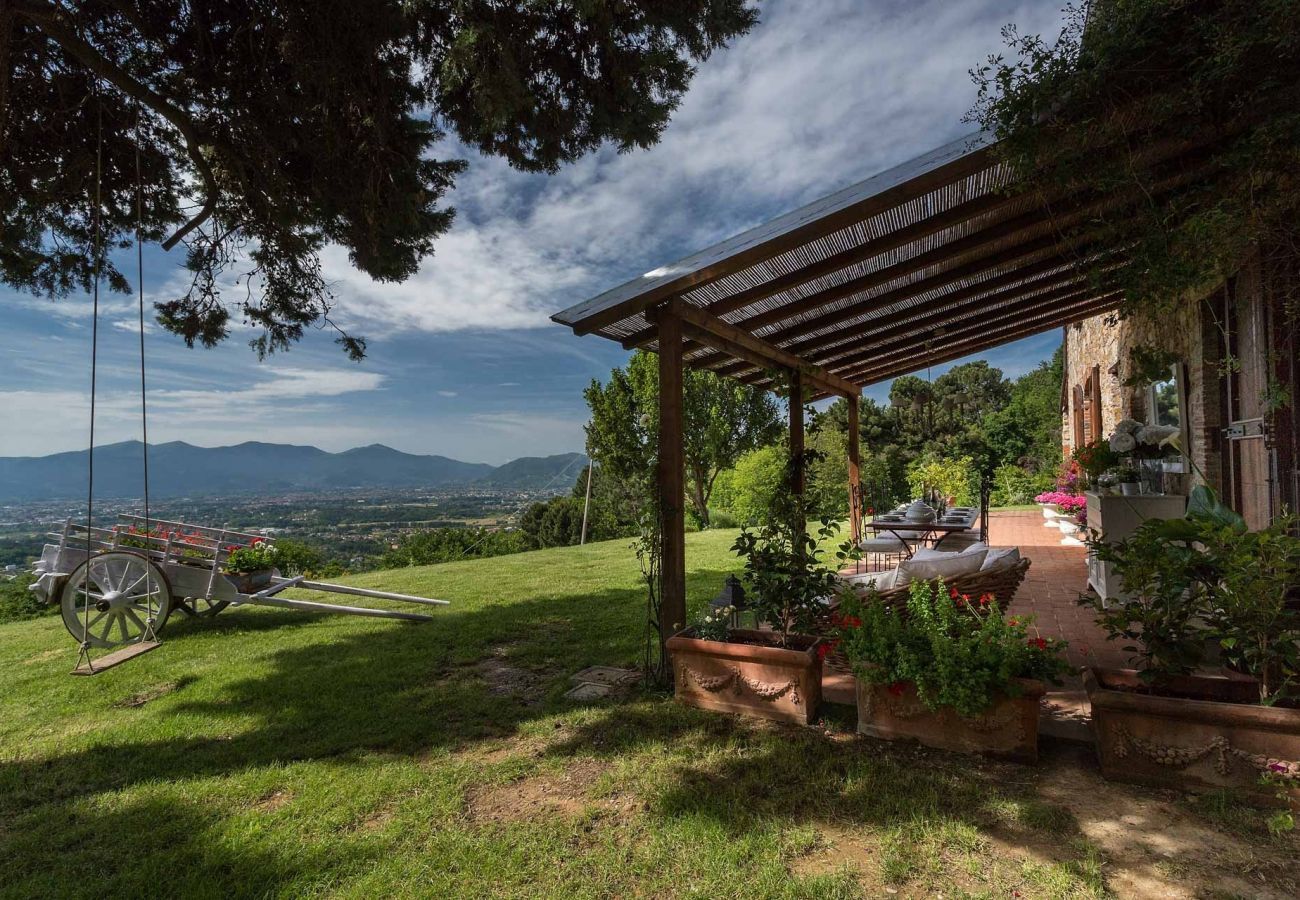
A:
[924,263]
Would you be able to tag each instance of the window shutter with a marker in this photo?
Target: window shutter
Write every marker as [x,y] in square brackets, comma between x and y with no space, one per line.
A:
[1078,416]
[1094,403]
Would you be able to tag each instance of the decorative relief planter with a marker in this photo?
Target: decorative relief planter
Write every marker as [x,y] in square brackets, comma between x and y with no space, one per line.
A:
[1008,730]
[753,679]
[1213,734]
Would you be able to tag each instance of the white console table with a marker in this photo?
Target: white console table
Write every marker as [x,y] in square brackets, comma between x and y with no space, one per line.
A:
[1115,518]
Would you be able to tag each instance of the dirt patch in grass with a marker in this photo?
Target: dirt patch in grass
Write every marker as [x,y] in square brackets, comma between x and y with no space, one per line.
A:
[1154,846]
[566,793]
[835,848]
[504,679]
[140,698]
[45,656]
[272,800]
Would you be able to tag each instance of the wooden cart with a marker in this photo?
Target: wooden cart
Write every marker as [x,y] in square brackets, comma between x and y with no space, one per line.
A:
[117,587]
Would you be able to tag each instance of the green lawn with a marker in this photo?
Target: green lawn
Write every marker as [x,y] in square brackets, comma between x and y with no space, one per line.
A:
[281,753]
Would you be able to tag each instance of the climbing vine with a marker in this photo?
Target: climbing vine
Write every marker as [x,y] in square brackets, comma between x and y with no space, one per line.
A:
[1172,128]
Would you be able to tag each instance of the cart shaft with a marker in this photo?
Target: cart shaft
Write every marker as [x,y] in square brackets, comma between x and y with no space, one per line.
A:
[366,592]
[310,606]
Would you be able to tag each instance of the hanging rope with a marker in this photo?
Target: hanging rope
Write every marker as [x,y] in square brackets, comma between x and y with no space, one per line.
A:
[84,656]
[148,633]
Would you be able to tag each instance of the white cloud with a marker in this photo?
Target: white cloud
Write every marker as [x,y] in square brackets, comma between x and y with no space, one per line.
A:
[818,96]
[448,393]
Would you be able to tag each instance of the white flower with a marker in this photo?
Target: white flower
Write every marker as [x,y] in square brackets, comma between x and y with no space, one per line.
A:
[1155,435]
[1122,442]
[1128,426]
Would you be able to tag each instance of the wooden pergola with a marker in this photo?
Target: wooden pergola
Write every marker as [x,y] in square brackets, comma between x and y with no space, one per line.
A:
[925,263]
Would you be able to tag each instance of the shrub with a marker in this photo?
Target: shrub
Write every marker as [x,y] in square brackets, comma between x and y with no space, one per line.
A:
[958,651]
[1012,486]
[785,579]
[759,476]
[721,519]
[18,603]
[950,477]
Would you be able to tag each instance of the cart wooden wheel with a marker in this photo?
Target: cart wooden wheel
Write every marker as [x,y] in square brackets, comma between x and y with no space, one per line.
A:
[201,607]
[108,599]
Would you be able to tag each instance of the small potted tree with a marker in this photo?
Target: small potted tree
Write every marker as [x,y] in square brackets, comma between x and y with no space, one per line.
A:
[1199,588]
[773,672]
[948,670]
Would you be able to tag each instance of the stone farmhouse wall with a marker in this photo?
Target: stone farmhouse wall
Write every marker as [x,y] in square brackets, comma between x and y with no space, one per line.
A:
[1191,333]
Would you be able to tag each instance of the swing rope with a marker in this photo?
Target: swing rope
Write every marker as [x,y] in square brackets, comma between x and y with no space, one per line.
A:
[150,619]
[84,655]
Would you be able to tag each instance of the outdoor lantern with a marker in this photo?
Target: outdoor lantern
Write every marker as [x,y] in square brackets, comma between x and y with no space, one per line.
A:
[733,595]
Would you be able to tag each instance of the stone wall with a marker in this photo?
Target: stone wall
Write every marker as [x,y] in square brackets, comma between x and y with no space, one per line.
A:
[1190,333]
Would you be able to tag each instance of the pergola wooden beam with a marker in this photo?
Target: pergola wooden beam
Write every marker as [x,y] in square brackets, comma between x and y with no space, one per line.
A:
[916,343]
[993,291]
[710,330]
[671,482]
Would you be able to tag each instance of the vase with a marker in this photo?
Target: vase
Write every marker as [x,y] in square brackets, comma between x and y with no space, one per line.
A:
[1152,472]
[1130,488]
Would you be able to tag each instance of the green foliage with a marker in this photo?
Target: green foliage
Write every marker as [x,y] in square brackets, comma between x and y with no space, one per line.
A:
[17,603]
[826,489]
[1090,115]
[283,127]
[257,557]
[722,420]
[960,652]
[1013,486]
[1206,577]
[440,545]
[758,478]
[555,523]
[786,582]
[1027,431]
[296,558]
[713,625]
[955,478]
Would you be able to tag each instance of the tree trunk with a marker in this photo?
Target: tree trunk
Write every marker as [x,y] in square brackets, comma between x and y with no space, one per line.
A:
[699,495]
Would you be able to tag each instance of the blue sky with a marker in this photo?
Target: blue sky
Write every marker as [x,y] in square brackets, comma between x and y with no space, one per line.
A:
[463,359]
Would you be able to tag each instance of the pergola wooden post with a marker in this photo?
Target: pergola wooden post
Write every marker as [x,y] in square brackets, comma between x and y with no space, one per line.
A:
[797,480]
[855,465]
[672,466]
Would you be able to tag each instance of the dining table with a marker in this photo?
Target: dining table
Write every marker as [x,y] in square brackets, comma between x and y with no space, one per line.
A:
[955,520]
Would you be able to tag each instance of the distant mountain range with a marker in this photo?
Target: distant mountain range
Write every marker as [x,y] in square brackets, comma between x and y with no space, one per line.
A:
[178,469]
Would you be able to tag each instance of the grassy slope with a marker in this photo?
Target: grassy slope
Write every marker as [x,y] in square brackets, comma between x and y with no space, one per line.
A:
[274,752]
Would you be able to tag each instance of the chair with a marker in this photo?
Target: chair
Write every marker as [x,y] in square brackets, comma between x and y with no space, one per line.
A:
[965,539]
[880,549]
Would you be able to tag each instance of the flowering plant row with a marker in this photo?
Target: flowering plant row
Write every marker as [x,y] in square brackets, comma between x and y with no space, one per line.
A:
[959,651]
[1070,503]
[258,556]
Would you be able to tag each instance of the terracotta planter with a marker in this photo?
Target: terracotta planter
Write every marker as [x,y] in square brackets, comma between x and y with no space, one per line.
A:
[1213,734]
[1009,730]
[250,582]
[753,679]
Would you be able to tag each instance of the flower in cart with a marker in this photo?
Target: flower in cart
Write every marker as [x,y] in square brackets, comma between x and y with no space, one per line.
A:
[1038,643]
[259,557]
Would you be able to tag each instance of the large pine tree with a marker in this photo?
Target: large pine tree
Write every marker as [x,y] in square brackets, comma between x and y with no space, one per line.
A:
[263,131]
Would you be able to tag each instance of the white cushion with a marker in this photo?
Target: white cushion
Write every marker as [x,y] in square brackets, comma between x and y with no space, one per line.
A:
[881,581]
[882,543]
[947,568]
[1000,558]
[930,553]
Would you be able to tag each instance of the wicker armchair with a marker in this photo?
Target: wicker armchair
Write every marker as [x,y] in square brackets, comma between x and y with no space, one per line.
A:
[1002,583]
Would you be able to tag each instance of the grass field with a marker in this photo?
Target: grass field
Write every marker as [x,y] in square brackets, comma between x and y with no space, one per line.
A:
[276,753]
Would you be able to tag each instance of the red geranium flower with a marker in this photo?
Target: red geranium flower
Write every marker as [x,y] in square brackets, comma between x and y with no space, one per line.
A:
[953,593]
[1039,643]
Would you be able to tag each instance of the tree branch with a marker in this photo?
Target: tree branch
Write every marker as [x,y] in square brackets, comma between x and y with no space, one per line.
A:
[51,20]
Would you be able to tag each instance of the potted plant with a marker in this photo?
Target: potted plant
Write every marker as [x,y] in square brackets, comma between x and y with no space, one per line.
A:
[773,673]
[250,568]
[949,671]
[1130,482]
[1199,587]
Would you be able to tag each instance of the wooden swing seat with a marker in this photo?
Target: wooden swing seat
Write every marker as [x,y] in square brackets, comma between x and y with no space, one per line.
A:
[116,658]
